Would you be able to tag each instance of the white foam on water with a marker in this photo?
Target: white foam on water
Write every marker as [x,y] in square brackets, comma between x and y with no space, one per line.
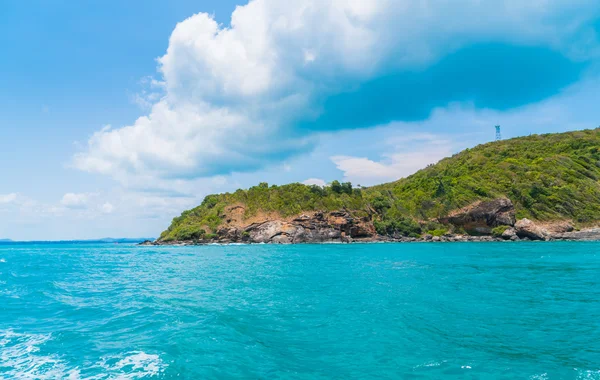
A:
[21,358]
[2,260]
[430,364]
[541,376]
[587,374]
[135,365]
[465,366]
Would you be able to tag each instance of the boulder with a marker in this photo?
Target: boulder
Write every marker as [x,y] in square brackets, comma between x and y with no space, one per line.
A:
[481,217]
[525,228]
[509,234]
[228,234]
[281,239]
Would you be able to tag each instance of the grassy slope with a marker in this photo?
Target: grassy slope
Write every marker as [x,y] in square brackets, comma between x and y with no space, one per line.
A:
[548,177]
[286,200]
[552,176]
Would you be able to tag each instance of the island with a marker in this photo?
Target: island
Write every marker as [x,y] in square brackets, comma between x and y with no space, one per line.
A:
[538,187]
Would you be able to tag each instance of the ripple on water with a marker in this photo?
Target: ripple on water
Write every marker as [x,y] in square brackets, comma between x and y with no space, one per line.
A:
[350,311]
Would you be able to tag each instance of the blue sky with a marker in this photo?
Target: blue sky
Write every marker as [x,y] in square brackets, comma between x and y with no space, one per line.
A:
[115,116]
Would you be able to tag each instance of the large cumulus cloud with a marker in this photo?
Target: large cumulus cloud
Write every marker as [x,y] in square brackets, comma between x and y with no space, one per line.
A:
[239,97]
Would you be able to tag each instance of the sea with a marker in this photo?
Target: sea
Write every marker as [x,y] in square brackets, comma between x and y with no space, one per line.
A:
[522,310]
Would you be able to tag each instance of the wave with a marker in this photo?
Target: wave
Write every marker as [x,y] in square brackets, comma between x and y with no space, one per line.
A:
[579,375]
[135,365]
[587,374]
[22,357]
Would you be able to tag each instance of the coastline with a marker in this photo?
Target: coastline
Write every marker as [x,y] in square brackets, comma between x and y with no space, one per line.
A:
[485,221]
[589,235]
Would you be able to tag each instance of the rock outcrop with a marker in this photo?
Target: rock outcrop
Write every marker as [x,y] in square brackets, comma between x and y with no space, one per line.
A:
[509,234]
[525,228]
[588,234]
[336,226]
[481,217]
[558,228]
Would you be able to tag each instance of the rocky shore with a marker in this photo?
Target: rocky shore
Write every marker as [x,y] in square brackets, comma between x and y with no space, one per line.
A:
[480,222]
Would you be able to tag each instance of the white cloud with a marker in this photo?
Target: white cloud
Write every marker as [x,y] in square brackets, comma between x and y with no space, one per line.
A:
[151,92]
[315,181]
[219,180]
[75,200]
[413,152]
[107,208]
[232,95]
[8,198]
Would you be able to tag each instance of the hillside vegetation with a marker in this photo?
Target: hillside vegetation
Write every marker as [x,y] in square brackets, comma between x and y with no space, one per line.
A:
[548,177]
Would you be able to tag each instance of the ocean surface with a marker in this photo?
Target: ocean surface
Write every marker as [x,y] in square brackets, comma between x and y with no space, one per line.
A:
[369,311]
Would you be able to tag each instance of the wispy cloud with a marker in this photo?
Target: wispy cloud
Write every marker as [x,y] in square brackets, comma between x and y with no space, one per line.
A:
[76,200]
[8,198]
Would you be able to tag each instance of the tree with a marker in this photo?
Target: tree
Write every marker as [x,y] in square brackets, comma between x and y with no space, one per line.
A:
[336,186]
[347,188]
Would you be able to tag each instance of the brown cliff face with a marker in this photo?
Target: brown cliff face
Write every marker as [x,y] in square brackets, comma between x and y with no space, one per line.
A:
[335,226]
[478,219]
[481,217]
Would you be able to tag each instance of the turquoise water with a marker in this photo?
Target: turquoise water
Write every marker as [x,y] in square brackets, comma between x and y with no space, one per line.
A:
[413,311]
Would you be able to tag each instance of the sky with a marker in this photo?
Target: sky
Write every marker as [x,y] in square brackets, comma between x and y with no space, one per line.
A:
[115,116]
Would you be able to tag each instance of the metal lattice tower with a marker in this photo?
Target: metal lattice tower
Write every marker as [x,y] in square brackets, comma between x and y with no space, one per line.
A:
[498,134]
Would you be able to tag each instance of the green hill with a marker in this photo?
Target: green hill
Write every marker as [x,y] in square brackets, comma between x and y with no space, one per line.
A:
[548,177]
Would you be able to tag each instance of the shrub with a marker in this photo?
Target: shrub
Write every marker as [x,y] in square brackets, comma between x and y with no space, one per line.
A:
[381,203]
[438,232]
[189,232]
[403,226]
[498,231]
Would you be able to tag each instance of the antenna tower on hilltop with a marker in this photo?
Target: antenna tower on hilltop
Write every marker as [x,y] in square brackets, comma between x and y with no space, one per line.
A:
[498,134]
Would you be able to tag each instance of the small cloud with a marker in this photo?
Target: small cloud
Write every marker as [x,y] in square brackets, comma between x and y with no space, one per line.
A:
[107,208]
[315,181]
[413,153]
[8,198]
[75,201]
[287,168]
[219,180]
[309,56]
